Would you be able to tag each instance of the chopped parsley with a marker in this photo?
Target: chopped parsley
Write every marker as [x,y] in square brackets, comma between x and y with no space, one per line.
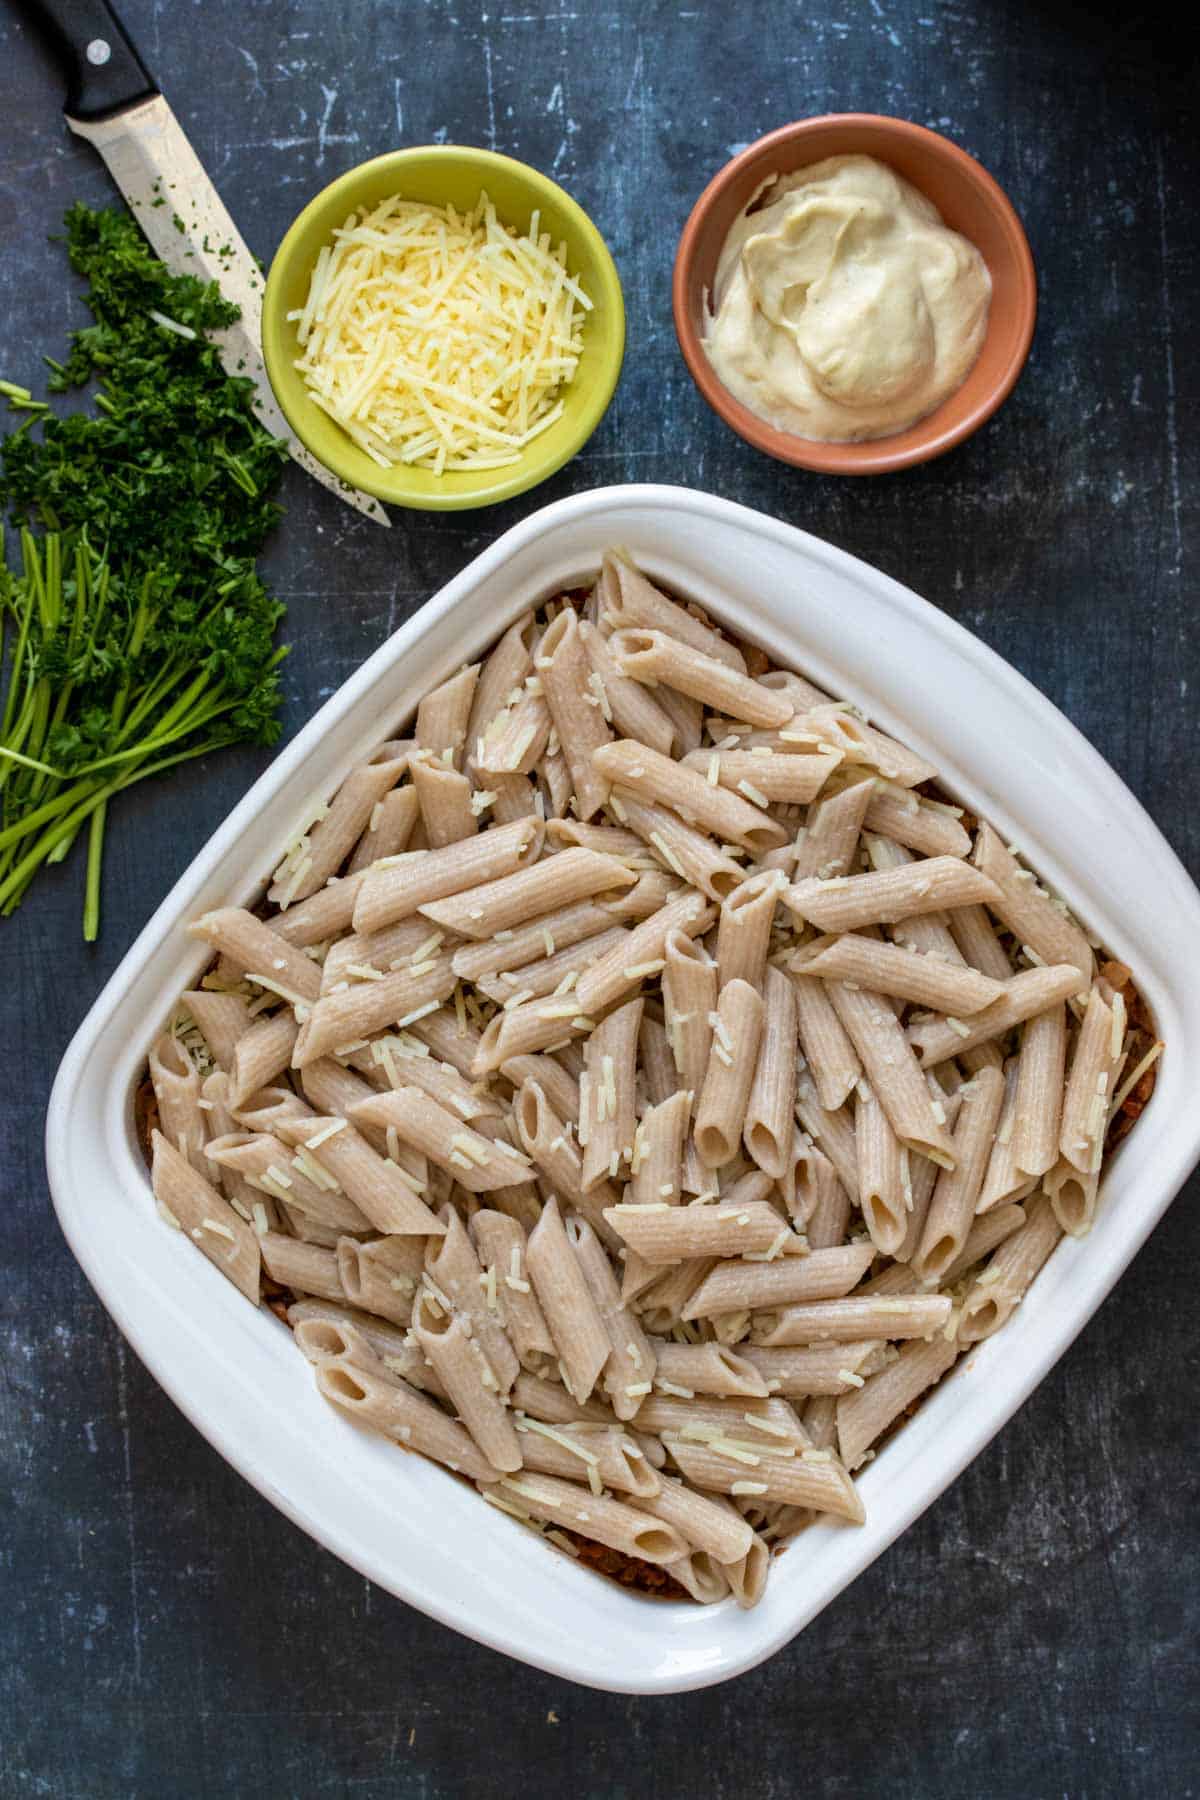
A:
[139,633]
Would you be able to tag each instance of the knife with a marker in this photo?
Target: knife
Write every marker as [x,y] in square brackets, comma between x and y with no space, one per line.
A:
[114,102]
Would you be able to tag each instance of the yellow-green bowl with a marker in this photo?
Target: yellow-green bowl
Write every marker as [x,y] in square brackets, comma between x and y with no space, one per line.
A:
[440,175]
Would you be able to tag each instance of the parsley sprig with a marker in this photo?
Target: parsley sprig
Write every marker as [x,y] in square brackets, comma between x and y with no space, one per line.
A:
[139,632]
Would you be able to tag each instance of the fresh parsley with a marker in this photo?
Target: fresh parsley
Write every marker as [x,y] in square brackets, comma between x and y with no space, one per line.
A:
[139,632]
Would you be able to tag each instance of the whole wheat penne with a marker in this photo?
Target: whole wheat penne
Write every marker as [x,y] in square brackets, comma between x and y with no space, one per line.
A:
[985,1234]
[845,902]
[399,889]
[305,1268]
[479,912]
[504,669]
[541,1398]
[191,1204]
[516,739]
[677,1233]
[552,975]
[653,656]
[768,1130]
[379,1188]
[1073,1195]
[560,1088]
[262,1109]
[657,1077]
[630,599]
[1029,992]
[625,967]
[320,1339]
[500,1245]
[602,1455]
[221,1018]
[661,1294]
[261,953]
[747,1577]
[862,743]
[606,840]
[656,1173]
[606,1096]
[380,1276]
[826,844]
[652,777]
[918,824]
[328,912]
[456,1280]
[767,777]
[1004,1282]
[733,1058]
[854,1319]
[533,942]
[629,1371]
[401,1062]
[1037,1107]
[261,1053]
[922,1174]
[814,1369]
[388,829]
[952,1208]
[707,1369]
[558,1159]
[833,1130]
[714,1529]
[692,855]
[449,1035]
[892,1070]
[795,1480]
[580,1337]
[444,713]
[251,1204]
[927,933]
[977,942]
[830,1055]
[528,1028]
[601,1519]
[358,1012]
[444,797]
[562,662]
[400,1412]
[1003,1180]
[1030,913]
[771,1420]
[270,1165]
[866,1412]
[369,955]
[888,969]
[319,853]
[826,1274]
[624,702]
[821,1203]
[176,1082]
[477,1164]
[554,781]
[881,1173]
[467,1377]
[1089,1092]
[744,928]
[383,1339]
[331,1089]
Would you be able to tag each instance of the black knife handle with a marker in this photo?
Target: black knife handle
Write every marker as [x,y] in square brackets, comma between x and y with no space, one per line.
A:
[104,72]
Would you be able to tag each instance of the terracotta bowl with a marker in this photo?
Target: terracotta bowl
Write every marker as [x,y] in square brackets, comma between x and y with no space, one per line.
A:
[969,201]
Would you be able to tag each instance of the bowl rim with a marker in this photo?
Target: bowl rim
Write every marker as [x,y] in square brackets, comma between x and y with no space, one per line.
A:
[174,1307]
[871,456]
[609,348]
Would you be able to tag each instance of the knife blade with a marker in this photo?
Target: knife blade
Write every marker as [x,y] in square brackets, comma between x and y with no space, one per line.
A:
[114,103]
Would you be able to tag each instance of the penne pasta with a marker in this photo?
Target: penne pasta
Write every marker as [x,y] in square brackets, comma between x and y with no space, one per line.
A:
[690,854]
[888,969]
[580,1338]
[624,702]
[865,1413]
[1026,994]
[656,778]
[652,657]
[546,887]
[733,1058]
[744,928]
[421,877]
[952,1208]
[1030,913]
[319,853]
[607,1113]
[846,902]
[768,1130]
[579,722]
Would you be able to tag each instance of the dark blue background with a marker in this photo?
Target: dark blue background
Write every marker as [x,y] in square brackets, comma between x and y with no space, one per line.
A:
[162,1630]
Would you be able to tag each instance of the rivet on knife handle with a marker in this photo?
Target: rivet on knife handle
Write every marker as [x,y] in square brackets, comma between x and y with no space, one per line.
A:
[103,70]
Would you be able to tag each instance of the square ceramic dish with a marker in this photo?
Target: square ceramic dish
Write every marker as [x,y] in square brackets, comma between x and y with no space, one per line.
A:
[401,1521]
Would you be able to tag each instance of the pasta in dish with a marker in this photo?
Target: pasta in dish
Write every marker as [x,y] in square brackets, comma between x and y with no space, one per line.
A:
[639,1087]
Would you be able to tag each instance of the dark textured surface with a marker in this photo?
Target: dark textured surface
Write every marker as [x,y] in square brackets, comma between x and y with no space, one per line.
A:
[162,1630]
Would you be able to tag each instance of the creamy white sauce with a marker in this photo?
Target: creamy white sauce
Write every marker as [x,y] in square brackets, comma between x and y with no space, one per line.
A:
[843,307]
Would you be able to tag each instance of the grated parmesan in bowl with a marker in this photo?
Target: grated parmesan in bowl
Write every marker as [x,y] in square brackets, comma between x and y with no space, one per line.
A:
[443,327]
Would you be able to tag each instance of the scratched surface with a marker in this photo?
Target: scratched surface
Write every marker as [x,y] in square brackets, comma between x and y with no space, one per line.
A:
[162,1630]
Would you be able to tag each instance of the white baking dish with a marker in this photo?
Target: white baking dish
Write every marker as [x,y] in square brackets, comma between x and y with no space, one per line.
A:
[403,1523]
